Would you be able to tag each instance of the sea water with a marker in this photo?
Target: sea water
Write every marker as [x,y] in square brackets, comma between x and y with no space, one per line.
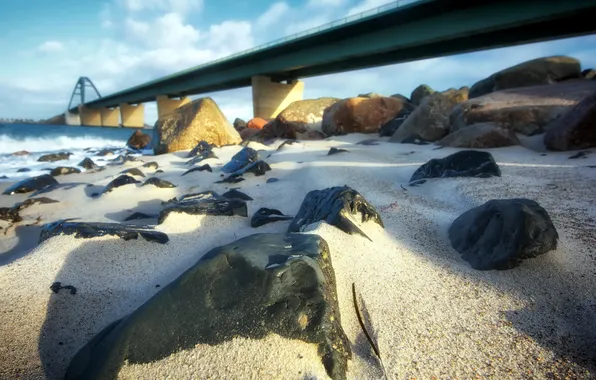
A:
[40,139]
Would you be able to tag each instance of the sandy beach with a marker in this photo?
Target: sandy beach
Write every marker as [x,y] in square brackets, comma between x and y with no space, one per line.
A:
[433,315]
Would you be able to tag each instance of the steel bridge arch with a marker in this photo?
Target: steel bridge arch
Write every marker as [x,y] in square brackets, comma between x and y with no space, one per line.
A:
[80,88]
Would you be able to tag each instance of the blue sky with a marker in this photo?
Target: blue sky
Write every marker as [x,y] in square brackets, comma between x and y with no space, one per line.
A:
[47,45]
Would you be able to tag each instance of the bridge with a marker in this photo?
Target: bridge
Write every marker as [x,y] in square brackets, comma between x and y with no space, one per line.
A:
[402,31]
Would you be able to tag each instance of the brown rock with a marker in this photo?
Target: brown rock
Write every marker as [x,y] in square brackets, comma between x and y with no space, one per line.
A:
[576,129]
[420,93]
[480,136]
[430,121]
[198,120]
[239,124]
[400,96]
[138,140]
[457,96]
[300,120]
[256,123]
[370,95]
[524,110]
[21,153]
[247,133]
[361,115]
[547,70]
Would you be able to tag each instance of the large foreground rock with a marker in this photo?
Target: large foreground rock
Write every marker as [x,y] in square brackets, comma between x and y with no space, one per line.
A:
[576,129]
[198,120]
[300,120]
[538,71]
[525,110]
[480,136]
[31,184]
[258,285]
[502,233]
[138,140]
[361,115]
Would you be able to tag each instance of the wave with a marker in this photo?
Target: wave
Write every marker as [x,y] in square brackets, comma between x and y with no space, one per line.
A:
[10,144]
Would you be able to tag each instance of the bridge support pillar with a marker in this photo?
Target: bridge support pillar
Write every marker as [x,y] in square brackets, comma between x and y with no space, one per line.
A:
[165,104]
[72,118]
[90,116]
[270,98]
[132,116]
[110,117]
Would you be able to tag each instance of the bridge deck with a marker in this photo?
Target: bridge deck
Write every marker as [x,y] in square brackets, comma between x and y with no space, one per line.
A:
[399,32]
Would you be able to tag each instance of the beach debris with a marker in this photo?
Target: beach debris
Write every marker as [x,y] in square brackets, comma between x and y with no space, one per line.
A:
[202,148]
[122,180]
[267,215]
[501,233]
[133,171]
[204,203]
[140,215]
[151,165]
[465,163]
[234,193]
[201,168]
[54,157]
[87,230]
[88,164]
[64,170]
[158,182]
[56,286]
[288,288]
[333,205]
[31,184]
[240,160]
[334,150]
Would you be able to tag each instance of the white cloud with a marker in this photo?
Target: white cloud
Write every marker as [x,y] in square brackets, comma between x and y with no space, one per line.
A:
[273,15]
[176,6]
[324,3]
[50,47]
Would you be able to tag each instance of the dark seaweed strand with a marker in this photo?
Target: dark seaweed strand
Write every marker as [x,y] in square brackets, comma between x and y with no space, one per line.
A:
[368,336]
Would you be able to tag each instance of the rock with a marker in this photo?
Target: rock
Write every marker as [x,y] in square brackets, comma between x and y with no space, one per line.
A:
[420,93]
[158,182]
[239,124]
[133,171]
[241,159]
[248,133]
[576,129]
[119,181]
[547,70]
[201,168]
[466,163]
[202,148]
[259,285]
[587,73]
[201,157]
[105,152]
[361,115]
[231,179]
[57,286]
[23,170]
[335,150]
[368,142]
[333,205]
[583,154]
[199,120]
[502,233]
[415,140]
[256,123]
[527,110]
[267,215]
[31,184]
[258,168]
[88,164]
[205,203]
[87,230]
[429,121]
[480,136]
[54,157]
[389,128]
[10,214]
[21,153]
[138,140]
[139,215]
[31,201]
[151,165]
[370,95]
[63,170]
[237,194]
[457,96]
[401,97]
[272,180]
[300,120]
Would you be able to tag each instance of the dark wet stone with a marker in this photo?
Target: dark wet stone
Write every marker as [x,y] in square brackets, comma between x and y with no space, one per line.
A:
[258,168]
[31,184]
[65,186]
[287,142]
[133,171]
[258,285]
[415,140]
[88,164]
[201,157]
[267,215]
[201,148]
[121,160]
[368,142]
[86,230]
[272,179]
[54,157]
[389,128]
[205,203]
[237,194]
[151,165]
[583,154]
[23,170]
[56,286]
[64,170]
[139,215]
[157,182]
[201,168]
[502,233]
[119,181]
[240,160]
[105,152]
[10,214]
[30,202]
[4,177]
[330,205]
[231,179]
[466,163]
[335,151]
[159,171]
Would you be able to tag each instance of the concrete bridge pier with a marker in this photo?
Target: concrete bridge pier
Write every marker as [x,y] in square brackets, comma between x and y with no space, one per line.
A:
[269,98]
[132,116]
[90,116]
[165,104]
[110,117]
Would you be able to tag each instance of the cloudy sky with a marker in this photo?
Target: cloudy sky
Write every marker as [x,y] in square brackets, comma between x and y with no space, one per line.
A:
[47,45]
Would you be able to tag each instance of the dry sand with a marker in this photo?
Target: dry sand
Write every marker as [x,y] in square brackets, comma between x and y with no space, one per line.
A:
[432,314]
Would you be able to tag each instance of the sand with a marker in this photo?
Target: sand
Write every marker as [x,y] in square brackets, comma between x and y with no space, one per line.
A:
[433,315]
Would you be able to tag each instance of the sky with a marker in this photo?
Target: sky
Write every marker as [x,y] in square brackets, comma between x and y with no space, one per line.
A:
[47,45]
